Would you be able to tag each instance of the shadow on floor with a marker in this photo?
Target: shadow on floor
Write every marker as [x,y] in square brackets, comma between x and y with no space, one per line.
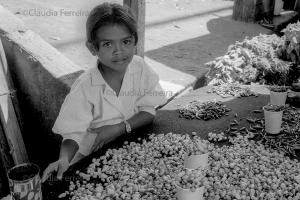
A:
[190,56]
[80,39]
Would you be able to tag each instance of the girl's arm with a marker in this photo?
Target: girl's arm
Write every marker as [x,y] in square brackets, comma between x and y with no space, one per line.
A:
[140,119]
[68,149]
[109,133]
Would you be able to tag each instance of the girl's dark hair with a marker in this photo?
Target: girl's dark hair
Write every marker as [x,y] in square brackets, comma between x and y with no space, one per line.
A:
[110,13]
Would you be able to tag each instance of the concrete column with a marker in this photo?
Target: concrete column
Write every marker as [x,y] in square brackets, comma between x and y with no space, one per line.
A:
[138,8]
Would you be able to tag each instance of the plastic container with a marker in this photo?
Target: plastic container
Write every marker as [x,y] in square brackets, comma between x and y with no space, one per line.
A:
[273,121]
[25,182]
[187,194]
[196,161]
[278,98]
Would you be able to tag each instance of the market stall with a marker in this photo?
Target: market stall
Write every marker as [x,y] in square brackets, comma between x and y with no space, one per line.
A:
[235,116]
[247,154]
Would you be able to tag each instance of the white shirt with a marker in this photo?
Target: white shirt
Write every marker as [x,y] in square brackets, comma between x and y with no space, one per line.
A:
[92,103]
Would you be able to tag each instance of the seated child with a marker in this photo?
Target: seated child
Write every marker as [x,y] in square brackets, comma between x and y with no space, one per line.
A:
[114,97]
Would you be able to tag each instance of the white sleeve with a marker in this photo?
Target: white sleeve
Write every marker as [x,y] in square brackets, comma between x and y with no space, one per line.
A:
[75,115]
[152,93]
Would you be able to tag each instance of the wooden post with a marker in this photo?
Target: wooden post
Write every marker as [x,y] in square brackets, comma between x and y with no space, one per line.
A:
[8,118]
[297,6]
[244,10]
[138,8]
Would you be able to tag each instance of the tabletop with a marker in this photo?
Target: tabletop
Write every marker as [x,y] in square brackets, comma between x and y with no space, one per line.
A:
[168,120]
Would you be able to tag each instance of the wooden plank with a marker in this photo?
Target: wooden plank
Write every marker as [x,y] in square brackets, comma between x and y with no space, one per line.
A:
[138,7]
[244,10]
[8,118]
[6,162]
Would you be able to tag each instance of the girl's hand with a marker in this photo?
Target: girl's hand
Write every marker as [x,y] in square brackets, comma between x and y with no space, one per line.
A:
[106,134]
[60,166]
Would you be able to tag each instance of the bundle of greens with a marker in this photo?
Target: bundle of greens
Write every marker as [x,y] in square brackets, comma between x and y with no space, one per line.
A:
[252,60]
[290,48]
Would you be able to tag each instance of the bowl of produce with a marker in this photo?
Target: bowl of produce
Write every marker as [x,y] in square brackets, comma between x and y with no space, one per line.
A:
[273,118]
[189,184]
[197,156]
[278,95]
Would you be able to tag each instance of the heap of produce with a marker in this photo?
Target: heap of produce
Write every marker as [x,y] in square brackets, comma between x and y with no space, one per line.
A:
[137,171]
[190,179]
[274,108]
[290,47]
[217,137]
[288,141]
[276,88]
[153,170]
[231,89]
[203,110]
[247,170]
[252,60]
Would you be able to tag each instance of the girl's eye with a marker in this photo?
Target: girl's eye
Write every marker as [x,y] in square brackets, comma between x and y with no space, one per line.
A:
[106,44]
[127,41]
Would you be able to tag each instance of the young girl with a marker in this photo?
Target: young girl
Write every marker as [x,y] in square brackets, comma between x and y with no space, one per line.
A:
[113,98]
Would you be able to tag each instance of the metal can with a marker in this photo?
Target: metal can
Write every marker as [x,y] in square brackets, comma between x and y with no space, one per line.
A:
[25,182]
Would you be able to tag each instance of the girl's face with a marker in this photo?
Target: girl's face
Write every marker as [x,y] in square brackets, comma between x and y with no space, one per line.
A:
[116,46]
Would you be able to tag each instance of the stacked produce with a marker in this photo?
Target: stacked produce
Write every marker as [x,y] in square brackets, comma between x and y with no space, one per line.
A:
[137,171]
[274,108]
[231,89]
[203,110]
[247,170]
[252,60]
[217,137]
[196,146]
[288,141]
[276,88]
[190,179]
[229,68]
[290,47]
[154,169]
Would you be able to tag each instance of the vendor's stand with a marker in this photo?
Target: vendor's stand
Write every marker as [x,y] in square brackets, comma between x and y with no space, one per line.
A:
[168,120]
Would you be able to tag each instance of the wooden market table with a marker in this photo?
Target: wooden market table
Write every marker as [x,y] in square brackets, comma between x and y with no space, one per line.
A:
[167,120]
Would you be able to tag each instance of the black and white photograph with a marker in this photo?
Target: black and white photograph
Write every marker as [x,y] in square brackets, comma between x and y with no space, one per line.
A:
[150,100]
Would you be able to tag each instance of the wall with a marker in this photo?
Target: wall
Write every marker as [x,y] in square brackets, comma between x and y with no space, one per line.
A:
[42,77]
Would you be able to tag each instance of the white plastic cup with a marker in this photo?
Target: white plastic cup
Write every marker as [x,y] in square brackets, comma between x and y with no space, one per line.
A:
[278,98]
[273,121]
[187,194]
[196,161]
